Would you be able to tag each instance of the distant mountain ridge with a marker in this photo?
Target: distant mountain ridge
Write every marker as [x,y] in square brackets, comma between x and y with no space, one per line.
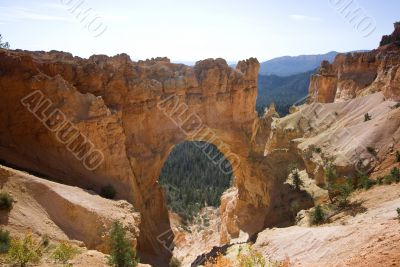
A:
[287,65]
[283,91]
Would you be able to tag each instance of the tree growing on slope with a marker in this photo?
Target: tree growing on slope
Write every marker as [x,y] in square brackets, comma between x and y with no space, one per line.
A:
[4,45]
[122,254]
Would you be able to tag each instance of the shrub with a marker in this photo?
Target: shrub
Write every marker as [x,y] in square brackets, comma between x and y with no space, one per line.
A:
[318,215]
[397,156]
[297,182]
[363,182]
[122,254]
[388,179]
[318,150]
[393,176]
[175,262]
[344,193]
[4,241]
[45,241]
[251,258]
[64,252]
[6,201]
[367,117]
[371,150]
[398,214]
[330,174]
[395,173]
[108,192]
[330,177]
[23,251]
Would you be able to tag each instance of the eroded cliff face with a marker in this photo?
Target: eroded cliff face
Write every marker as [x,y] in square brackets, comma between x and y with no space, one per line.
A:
[332,129]
[124,118]
[358,74]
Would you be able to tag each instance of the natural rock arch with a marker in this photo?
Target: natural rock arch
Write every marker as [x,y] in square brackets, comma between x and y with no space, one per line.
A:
[119,105]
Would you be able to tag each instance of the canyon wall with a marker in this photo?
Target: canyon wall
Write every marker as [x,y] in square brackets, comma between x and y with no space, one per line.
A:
[111,121]
[333,129]
[358,74]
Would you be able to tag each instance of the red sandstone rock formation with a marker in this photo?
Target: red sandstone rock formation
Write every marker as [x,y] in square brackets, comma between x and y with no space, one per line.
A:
[358,74]
[124,109]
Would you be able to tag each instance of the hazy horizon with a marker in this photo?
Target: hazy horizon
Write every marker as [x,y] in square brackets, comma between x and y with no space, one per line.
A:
[187,32]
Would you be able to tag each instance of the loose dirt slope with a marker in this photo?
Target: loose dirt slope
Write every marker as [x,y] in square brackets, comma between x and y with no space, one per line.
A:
[367,239]
[62,212]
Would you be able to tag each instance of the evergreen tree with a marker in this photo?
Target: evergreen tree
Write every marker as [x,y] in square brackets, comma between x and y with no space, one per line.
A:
[192,179]
[122,254]
[5,45]
[297,182]
[318,215]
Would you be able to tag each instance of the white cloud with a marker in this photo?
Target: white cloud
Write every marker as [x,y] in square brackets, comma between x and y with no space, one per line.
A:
[303,18]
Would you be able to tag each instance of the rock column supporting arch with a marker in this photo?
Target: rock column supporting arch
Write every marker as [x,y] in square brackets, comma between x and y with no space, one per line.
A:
[116,104]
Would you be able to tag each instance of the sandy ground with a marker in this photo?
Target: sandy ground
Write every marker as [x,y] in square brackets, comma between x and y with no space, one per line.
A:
[370,238]
[63,213]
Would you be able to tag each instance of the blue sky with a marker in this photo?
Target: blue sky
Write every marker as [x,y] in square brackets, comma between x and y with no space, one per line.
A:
[193,30]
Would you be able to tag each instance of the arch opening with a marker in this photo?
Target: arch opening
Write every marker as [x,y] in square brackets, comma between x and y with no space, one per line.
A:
[193,178]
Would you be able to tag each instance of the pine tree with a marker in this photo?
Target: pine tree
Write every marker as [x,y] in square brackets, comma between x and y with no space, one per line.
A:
[297,182]
[318,216]
[5,45]
[122,254]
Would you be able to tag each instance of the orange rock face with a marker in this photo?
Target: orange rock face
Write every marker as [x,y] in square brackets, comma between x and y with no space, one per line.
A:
[110,121]
[358,74]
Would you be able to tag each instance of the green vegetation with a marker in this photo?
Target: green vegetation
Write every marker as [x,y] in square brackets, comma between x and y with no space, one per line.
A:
[344,191]
[392,177]
[362,181]
[192,180]
[252,258]
[64,252]
[395,173]
[331,176]
[297,182]
[398,214]
[367,117]
[45,241]
[317,216]
[108,192]
[371,150]
[4,45]
[122,254]
[175,262]
[24,251]
[397,156]
[5,241]
[283,91]
[6,201]
[317,150]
